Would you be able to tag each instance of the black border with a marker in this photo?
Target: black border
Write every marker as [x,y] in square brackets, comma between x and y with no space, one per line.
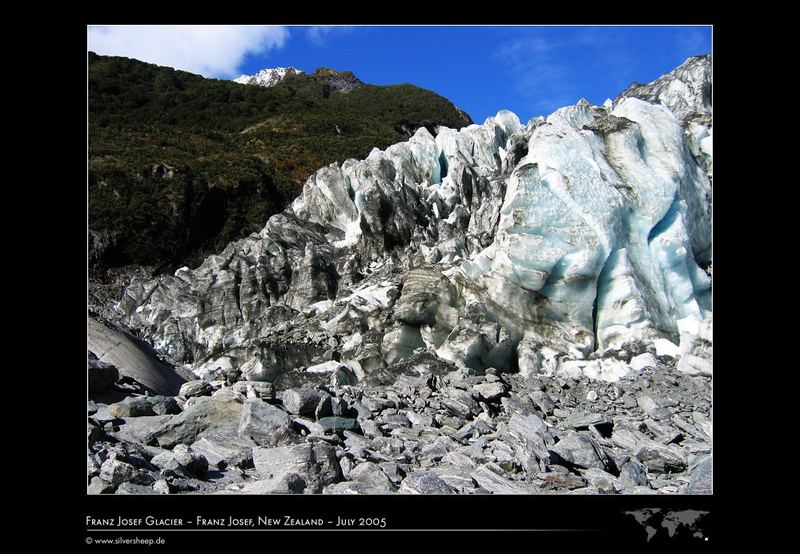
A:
[602,516]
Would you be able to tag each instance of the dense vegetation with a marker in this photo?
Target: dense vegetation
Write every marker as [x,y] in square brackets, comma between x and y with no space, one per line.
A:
[180,165]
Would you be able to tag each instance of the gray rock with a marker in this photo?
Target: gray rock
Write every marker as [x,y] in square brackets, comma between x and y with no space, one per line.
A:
[192,462]
[372,475]
[143,429]
[514,406]
[93,432]
[224,450]
[423,420]
[259,389]
[165,405]
[582,420]
[167,463]
[115,472]
[633,474]
[531,440]
[578,450]
[338,424]
[461,404]
[302,401]
[132,407]
[701,477]
[543,401]
[101,376]
[395,421]
[458,459]
[161,487]
[340,408]
[206,415]
[131,488]
[458,477]
[324,408]
[99,486]
[490,391]
[561,480]
[297,469]
[132,357]
[438,449]
[490,478]
[661,459]
[654,409]
[424,482]
[393,472]
[603,481]
[265,424]
[195,388]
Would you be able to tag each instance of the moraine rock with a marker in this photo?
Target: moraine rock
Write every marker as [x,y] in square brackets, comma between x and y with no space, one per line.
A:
[207,415]
[99,486]
[265,424]
[301,401]
[582,420]
[297,469]
[338,424]
[701,477]
[603,481]
[633,474]
[191,389]
[255,389]
[132,357]
[132,407]
[161,487]
[424,482]
[131,488]
[181,460]
[531,440]
[373,476]
[165,405]
[101,375]
[490,391]
[490,478]
[578,450]
[225,450]
[115,472]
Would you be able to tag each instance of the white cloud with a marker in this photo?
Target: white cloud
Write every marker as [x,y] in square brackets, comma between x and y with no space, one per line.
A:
[318,34]
[210,50]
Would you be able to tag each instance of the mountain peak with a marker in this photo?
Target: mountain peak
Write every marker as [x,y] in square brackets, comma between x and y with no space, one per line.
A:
[268,77]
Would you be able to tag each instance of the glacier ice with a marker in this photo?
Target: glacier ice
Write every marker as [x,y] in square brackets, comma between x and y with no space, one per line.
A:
[519,247]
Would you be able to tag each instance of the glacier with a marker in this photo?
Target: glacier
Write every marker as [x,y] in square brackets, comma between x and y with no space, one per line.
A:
[529,247]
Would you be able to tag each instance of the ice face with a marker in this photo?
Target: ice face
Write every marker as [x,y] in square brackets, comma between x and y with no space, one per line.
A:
[574,233]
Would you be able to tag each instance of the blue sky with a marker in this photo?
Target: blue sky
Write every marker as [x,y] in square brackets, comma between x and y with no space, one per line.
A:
[528,70]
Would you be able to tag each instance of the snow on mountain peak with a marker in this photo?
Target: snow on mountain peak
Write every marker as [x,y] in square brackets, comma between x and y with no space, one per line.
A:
[268,77]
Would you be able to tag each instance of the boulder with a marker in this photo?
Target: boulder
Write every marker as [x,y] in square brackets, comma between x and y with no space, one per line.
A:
[301,401]
[297,469]
[424,482]
[265,424]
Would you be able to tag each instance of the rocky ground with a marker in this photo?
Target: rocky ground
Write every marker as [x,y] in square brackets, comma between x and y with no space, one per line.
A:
[421,427]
